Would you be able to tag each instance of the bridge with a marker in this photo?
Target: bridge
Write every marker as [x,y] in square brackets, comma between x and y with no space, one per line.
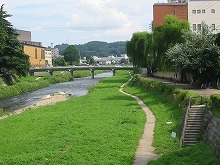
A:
[71,69]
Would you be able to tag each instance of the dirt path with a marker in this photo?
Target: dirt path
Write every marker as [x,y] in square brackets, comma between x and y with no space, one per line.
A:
[47,100]
[144,152]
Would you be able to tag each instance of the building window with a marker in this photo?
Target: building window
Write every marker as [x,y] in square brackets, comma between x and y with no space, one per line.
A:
[194,11]
[194,27]
[198,11]
[42,54]
[35,53]
[213,26]
[212,10]
[199,27]
[203,11]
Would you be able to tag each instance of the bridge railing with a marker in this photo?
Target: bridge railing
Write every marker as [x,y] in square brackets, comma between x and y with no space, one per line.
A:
[72,69]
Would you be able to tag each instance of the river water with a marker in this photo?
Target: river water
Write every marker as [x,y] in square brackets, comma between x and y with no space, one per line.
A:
[78,87]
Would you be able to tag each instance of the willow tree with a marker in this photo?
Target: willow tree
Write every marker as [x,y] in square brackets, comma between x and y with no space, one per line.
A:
[139,49]
[166,36]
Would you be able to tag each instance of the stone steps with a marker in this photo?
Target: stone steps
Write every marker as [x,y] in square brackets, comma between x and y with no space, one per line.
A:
[193,126]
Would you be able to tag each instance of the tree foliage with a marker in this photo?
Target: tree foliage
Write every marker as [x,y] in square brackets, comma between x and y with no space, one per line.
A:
[139,49]
[166,36]
[12,58]
[71,55]
[59,61]
[199,55]
[217,41]
[101,49]
[148,49]
[62,48]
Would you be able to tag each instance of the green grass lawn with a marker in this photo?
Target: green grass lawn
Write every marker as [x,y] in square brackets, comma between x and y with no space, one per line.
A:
[169,148]
[164,111]
[100,128]
[200,154]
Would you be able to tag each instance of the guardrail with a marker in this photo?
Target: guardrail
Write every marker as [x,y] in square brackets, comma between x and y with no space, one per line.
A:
[74,68]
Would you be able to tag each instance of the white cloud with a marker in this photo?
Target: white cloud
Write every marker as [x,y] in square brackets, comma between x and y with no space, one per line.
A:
[80,21]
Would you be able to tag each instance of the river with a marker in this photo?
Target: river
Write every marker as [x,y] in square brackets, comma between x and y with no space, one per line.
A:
[77,87]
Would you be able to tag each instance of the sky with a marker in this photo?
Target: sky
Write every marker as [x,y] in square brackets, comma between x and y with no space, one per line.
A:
[80,21]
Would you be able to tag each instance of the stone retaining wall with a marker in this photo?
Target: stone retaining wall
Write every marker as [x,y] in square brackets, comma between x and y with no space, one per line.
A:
[212,131]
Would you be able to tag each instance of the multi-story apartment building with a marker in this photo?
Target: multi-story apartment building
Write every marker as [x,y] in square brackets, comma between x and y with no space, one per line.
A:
[48,58]
[55,52]
[207,11]
[35,50]
[194,11]
[161,10]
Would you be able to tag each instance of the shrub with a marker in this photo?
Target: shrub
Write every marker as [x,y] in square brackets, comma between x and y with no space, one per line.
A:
[179,96]
[215,99]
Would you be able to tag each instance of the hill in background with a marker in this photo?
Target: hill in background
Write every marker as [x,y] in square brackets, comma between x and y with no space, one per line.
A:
[97,48]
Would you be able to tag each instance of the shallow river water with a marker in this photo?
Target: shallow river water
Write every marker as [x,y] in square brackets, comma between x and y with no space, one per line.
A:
[76,88]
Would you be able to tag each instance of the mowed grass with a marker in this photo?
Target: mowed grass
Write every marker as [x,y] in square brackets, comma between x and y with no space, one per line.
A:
[103,127]
[164,111]
[169,148]
[200,154]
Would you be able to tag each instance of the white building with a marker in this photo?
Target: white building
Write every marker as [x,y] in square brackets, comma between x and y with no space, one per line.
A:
[207,11]
[55,52]
[48,58]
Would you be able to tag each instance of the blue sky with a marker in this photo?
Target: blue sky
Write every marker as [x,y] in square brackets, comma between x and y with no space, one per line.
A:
[80,21]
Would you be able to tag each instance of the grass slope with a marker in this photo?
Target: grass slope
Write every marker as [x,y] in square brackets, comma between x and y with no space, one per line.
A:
[172,153]
[164,111]
[102,127]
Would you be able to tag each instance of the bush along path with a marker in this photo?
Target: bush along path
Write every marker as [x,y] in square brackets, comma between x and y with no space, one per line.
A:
[144,152]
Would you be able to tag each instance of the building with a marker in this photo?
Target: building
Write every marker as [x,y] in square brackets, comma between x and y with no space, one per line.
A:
[194,11]
[207,11]
[161,10]
[55,52]
[48,58]
[23,35]
[34,49]
[36,55]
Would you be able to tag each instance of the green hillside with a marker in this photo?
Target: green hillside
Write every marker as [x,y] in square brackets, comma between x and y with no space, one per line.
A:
[98,48]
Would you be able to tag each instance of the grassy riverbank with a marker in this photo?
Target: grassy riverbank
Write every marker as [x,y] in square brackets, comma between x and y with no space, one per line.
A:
[166,111]
[102,127]
[31,83]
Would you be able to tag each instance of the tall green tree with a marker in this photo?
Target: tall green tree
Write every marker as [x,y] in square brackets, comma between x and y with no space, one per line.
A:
[71,55]
[59,61]
[199,55]
[12,58]
[217,41]
[166,36]
[139,49]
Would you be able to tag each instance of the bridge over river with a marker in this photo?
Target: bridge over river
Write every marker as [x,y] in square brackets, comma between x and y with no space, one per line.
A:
[71,69]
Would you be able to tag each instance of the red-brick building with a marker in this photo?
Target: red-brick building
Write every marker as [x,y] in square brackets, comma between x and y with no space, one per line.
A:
[161,10]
